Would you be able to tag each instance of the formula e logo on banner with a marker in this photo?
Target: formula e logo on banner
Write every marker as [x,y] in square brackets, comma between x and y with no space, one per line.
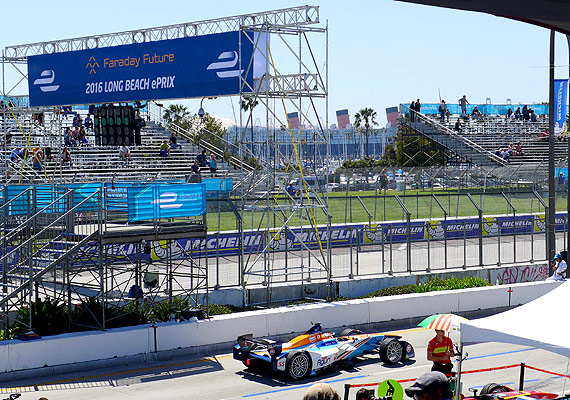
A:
[48,78]
[226,64]
[167,201]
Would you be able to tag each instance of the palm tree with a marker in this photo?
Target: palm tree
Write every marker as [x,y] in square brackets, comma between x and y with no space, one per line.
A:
[248,103]
[175,113]
[364,119]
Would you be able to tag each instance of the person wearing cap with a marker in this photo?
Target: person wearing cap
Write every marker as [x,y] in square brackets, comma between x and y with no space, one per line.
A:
[440,351]
[559,269]
[430,386]
[321,391]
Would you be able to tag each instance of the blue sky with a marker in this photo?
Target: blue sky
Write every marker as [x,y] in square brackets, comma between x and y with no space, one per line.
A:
[381,53]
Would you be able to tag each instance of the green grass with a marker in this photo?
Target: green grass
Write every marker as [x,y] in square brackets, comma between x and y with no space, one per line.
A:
[350,210]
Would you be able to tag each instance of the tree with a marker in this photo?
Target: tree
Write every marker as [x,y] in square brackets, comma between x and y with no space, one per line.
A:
[175,113]
[365,118]
[248,103]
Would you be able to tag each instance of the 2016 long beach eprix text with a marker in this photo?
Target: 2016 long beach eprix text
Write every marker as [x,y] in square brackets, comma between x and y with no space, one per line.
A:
[126,85]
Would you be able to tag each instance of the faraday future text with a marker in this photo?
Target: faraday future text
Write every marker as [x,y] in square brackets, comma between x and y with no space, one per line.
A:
[127,85]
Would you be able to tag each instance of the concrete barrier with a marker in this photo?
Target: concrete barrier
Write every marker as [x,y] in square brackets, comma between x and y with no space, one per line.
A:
[222,330]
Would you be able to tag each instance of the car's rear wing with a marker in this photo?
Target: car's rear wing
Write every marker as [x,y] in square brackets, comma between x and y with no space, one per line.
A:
[247,340]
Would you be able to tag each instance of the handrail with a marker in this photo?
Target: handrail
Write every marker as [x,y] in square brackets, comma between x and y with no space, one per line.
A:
[27,221]
[52,223]
[475,146]
[236,162]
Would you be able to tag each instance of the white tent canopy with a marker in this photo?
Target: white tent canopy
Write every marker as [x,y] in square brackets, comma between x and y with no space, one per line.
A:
[542,323]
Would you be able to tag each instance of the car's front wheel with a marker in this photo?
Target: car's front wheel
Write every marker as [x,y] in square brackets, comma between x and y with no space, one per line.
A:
[391,351]
[298,365]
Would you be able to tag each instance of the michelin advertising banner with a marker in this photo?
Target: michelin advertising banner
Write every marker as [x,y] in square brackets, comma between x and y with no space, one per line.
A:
[208,65]
[560,97]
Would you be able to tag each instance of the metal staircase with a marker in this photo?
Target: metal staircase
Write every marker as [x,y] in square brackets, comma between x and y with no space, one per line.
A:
[457,144]
[35,249]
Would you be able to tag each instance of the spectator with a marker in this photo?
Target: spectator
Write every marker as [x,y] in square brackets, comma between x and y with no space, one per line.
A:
[195,167]
[418,106]
[8,139]
[88,122]
[38,158]
[364,394]
[75,136]
[164,149]
[518,149]
[525,113]
[383,182]
[509,113]
[77,120]
[66,157]
[505,155]
[430,386]
[68,138]
[457,126]
[213,166]
[518,113]
[476,114]
[532,116]
[290,189]
[124,153]
[202,159]
[16,155]
[82,136]
[139,124]
[48,154]
[447,115]
[321,391]
[440,351]
[442,109]
[561,180]
[174,141]
[413,111]
[463,103]
[560,267]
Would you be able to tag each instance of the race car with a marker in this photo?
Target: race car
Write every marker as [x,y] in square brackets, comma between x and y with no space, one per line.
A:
[315,350]
[495,391]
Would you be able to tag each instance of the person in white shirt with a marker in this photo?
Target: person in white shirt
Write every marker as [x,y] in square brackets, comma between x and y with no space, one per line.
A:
[559,269]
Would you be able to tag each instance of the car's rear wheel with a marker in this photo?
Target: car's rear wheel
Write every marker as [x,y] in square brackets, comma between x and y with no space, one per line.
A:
[391,351]
[491,388]
[298,365]
[350,332]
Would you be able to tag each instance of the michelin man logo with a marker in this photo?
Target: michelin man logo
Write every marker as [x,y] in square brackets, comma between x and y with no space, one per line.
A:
[280,241]
[436,231]
[232,56]
[47,78]
[491,227]
[540,224]
[372,233]
[161,252]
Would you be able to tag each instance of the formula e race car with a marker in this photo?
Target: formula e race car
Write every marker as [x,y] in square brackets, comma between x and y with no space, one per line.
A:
[315,350]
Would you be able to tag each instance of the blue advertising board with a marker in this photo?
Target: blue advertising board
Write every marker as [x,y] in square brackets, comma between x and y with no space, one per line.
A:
[207,65]
[166,201]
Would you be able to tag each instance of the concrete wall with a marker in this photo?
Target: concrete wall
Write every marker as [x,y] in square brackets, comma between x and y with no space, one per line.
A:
[74,348]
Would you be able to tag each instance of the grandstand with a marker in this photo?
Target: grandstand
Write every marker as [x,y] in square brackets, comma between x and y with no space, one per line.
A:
[96,163]
[478,140]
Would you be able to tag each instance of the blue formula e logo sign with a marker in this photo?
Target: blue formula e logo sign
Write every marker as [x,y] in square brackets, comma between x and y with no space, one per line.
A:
[208,65]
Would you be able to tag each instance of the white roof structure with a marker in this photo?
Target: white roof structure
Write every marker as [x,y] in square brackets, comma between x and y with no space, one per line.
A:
[542,323]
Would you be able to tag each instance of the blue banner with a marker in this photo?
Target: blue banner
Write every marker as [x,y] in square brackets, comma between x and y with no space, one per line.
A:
[166,201]
[560,100]
[197,66]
